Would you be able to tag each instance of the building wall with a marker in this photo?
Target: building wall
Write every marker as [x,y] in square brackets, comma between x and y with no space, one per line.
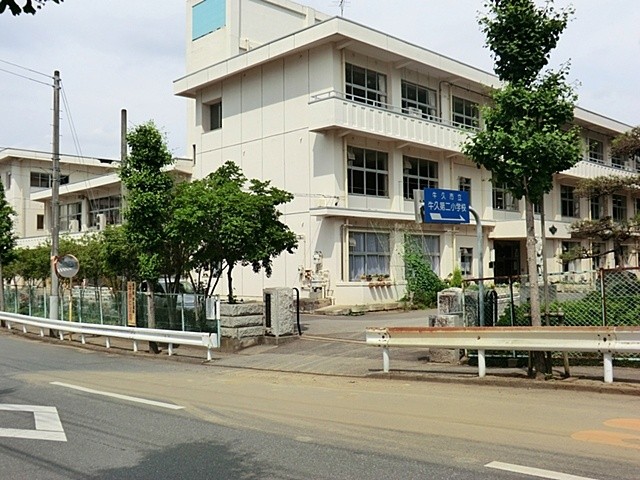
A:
[275,127]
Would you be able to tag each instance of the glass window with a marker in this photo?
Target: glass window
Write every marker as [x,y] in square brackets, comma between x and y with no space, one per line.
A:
[573,265]
[418,174]
[70,213]
[465,113]
[215,115]
[466,261]
[430,246]
[419,101]
[369,254]
[569,203]
[365,86]
[45,180]
[464,185]
[596,207]
[7,181]
[367,172]
[39,222]
[619,161]
[595,151]
[110,207]
[598,250]
[619,208]
[503,199]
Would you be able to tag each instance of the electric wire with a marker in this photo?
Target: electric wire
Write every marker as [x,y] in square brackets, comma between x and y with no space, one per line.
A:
[25,68]
[25,77]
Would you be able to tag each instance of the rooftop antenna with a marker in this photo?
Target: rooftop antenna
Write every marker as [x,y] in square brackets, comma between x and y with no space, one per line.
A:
[342,4]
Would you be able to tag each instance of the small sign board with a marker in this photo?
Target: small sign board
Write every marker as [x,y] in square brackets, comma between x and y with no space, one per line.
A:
[445,206]
[131,304]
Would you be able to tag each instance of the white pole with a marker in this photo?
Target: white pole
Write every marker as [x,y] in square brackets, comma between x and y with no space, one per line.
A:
[482,364]
[608,368]
[385,359]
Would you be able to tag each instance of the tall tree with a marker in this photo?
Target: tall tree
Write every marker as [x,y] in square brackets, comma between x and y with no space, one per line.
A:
[28,6]
[7,238]
[527,136]
[628,144]
[148,203]
[233,221]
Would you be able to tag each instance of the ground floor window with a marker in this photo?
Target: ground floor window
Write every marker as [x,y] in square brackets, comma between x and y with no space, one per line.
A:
[110,207]
[429,245]
[369,254]
[466,261]
[574,249]
[70,216]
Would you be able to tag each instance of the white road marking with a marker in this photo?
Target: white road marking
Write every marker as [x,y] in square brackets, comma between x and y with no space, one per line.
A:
[48,425]
[170,406]
[535,472]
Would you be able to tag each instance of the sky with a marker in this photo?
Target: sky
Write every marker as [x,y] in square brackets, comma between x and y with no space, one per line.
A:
[125,54]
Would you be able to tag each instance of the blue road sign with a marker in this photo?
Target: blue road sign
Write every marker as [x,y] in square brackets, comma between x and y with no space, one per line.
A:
[445,206]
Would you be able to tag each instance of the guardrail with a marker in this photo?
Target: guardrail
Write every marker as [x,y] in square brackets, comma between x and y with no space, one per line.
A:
[604,340]
[171,337]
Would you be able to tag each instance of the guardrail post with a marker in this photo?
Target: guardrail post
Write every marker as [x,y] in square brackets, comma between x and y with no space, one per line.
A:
[170,349]
[82,339]
[208,353]
[61,334]
[482,364]
[135,345]
[385,359]
[107,342]
[608,368]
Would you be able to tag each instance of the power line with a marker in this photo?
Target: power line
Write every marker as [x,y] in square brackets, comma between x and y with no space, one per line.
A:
[25,77]
[27,69]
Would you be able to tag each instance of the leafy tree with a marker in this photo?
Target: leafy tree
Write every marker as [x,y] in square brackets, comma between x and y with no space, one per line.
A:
[148,203]
[29,6]
[33,265]
[118,257]
[526,139]
[7,238]
[233,221]
[605,228]
[628,144]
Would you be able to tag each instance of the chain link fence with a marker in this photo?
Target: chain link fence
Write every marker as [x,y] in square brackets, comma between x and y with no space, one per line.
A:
[185,312]
[606,297]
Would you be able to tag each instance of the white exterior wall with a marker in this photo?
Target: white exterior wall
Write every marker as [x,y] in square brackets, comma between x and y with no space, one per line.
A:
[285,119]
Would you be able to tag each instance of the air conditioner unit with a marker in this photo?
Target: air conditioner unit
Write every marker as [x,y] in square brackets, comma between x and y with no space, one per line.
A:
[414,112]
[101,221]
[74,226]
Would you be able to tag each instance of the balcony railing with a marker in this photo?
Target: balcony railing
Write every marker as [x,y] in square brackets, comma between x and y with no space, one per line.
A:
[337,110]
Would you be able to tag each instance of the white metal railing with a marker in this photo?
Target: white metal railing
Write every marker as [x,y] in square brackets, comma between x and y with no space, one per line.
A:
[171,337]
[387,107]
[605,340]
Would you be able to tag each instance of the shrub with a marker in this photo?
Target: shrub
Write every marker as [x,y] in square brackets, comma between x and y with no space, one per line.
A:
[423,284]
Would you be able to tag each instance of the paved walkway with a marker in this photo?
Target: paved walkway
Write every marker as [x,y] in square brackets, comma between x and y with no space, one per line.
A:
[335,346]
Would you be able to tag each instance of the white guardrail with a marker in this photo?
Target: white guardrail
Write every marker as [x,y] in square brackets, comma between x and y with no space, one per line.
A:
[171,337]
[604,340]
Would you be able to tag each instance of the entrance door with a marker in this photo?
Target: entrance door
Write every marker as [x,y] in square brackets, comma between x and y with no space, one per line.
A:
[507,261]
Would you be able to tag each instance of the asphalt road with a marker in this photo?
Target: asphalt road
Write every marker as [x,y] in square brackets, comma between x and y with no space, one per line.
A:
[221,423]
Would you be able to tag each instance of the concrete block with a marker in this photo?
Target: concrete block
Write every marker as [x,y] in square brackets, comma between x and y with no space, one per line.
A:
[243,321]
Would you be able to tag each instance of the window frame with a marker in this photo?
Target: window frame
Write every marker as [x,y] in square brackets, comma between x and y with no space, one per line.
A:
[597,205]
[431,252]
[375,95]
[40,221]
[502,199]
[45,180]
[569,203]
[595,155]
[428,106]
[214,115]
[110,206]
[468,117]
[362,249]
[415,177]
[360,168]
[619,208]
[465,257]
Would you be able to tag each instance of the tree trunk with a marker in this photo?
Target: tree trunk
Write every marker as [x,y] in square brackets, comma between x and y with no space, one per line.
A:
[539,363]
[151,315]
[230,284]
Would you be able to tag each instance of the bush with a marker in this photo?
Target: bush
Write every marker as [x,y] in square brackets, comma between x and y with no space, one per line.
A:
[423,284]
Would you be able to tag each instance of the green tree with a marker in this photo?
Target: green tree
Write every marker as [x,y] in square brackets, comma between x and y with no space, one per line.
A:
[628,144]
[33,265]
[526,139]
[423,284]
[148,198]
[7,238]
[28,6]
[605,228]
[233,221]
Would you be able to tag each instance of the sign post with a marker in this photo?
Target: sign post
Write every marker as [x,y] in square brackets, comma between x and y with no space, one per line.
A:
[452,206]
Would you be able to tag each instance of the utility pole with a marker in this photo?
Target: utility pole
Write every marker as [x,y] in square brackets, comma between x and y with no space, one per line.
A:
[55,202]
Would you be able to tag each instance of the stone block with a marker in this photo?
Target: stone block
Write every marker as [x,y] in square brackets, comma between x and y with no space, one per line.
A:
[450,301]
[241,309]
[243,321]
